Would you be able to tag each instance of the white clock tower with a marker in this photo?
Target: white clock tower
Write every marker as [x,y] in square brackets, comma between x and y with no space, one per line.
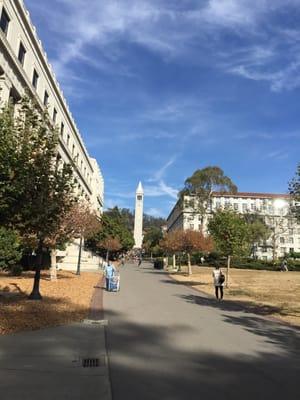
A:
[138,217]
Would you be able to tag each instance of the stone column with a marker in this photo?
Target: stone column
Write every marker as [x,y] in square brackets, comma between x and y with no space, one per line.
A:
[5,87]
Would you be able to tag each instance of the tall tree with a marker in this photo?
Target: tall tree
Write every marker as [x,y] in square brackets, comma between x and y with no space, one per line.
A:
[35,190]
[203,183]
[230,232]
[294,189]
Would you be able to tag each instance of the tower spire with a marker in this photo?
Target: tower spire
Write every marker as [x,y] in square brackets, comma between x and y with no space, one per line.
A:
[138,216]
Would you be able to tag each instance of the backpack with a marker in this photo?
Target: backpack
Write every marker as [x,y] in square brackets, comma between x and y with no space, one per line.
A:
[221,278]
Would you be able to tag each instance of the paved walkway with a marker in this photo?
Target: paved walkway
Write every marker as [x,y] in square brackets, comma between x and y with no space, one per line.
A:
[47,364]
[168,342]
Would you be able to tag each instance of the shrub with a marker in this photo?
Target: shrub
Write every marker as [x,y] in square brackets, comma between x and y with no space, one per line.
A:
[10,248]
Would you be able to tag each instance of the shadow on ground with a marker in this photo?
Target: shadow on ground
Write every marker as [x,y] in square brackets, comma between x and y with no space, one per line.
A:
[234,305]
[143,367]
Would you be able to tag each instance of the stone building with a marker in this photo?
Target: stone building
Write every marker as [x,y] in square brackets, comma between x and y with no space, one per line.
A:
[24,68]
[273,208]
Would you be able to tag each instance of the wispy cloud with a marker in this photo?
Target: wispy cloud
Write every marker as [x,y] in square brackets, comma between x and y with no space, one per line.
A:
[161,189]
[171,29]
[277,154]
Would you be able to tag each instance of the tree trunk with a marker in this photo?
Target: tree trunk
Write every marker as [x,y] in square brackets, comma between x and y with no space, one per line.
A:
[189,264]
[107,256]
[35,294]
[227,270]
[53,274]
[174,261]
[79,256]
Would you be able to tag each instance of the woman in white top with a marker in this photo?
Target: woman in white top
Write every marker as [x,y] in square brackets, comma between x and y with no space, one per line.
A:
[218,282]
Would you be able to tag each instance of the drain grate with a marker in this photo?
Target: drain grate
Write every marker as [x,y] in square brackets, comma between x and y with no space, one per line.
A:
[90,362]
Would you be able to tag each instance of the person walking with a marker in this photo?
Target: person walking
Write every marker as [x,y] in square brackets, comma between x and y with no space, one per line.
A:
[109,272]
[219,279]
[139,260]
[284,266]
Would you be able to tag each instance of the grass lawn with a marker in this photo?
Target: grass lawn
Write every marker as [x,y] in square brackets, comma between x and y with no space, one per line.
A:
[269,293]
[64,301]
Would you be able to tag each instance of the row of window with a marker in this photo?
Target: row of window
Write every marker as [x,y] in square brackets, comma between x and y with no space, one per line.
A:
[246,207]
[4,25]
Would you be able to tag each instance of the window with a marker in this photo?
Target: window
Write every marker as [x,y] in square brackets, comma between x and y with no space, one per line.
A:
[73,149]
[191,226]
[46,98]
[291,232]
[236,206]
[22,52]
[35,78]
[62,127]
[282,249]
[54,115]
[139,197]
[4,21]
[244,207]
[291,240]
[200,227]
[281,239]
[68,140]
[218,204]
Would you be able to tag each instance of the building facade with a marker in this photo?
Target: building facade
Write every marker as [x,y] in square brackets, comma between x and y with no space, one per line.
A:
[24,68]
[273,208]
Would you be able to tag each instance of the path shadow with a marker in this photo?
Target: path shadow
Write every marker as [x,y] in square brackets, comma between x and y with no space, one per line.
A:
[146,364]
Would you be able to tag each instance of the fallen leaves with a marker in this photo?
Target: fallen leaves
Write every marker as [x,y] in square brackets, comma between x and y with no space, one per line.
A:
[64,301]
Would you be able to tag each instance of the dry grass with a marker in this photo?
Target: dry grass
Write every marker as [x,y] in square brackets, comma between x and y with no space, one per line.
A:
[64,301]
[271,293]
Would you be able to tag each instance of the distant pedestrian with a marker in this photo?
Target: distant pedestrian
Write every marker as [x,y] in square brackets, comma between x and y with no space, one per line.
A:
[202,259]
[139,261]
[284,266]
[219,279]
[122,260]
[109,272]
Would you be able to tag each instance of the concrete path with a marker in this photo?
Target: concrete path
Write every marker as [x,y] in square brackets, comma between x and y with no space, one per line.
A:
[48,364]
[169,342]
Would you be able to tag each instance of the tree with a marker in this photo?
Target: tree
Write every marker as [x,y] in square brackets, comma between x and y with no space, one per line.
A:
[258,231]
[186,241]
[112,226]
[172,244]
[230,233]
[294,189]
[77,222]
[203,183]
[36,190]
[195,241]
[110,244]
[10,248]
[152,238]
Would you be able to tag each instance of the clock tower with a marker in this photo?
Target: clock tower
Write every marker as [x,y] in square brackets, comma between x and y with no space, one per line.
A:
[138,217]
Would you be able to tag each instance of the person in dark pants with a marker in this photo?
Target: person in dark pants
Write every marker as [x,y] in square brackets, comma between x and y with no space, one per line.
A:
[218,277]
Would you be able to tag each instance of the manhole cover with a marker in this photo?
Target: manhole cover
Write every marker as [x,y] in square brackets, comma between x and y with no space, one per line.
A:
[90,362]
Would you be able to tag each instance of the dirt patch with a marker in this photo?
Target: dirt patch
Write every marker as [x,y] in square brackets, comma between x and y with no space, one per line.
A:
[64,301]
[270,293]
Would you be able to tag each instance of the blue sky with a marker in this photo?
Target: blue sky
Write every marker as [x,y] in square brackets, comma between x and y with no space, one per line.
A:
[161,88]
